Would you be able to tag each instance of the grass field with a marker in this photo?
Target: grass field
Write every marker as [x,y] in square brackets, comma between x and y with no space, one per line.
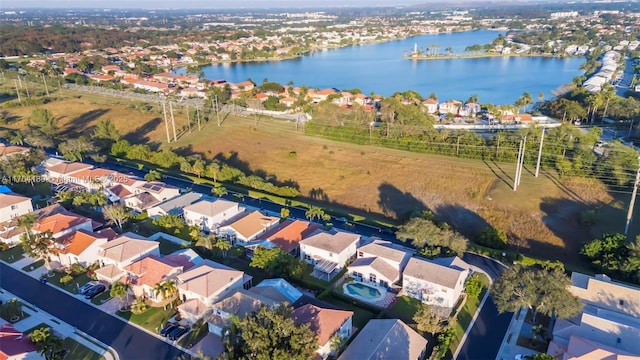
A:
[542,217]
[153,319]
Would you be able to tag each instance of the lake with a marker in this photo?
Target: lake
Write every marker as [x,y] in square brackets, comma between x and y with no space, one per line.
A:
[381,68]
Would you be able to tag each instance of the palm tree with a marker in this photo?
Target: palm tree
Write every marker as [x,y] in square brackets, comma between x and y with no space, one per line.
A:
[47,343]
[608,93]
[26,222]
[139,306]
[41,245]
[313,213]
[119,290]
[206,242]
[167,289]
[538,331]
[223,245]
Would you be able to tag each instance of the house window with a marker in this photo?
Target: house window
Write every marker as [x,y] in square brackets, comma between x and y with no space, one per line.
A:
[384,284]
[360,254]
[621,302]
[14,207]
[330,254]
[372,277]
[307,257]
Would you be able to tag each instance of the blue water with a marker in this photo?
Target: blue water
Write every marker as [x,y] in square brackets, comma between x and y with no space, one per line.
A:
[363,290]
[382,69]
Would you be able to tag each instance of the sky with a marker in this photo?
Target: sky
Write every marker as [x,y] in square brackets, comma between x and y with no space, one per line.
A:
[200,4]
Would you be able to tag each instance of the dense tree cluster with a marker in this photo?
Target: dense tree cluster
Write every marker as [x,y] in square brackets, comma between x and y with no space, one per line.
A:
[433,239]
[616,256]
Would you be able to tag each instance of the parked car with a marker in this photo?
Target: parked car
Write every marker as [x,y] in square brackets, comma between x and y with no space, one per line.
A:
[94,291]
[168,329]
[176,333]
[86,287]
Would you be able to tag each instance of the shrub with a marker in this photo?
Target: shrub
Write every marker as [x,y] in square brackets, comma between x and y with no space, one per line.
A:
[473,286]
[66,279]
[493,238]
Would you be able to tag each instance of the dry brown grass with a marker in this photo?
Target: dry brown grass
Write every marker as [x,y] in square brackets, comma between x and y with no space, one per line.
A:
[541,216]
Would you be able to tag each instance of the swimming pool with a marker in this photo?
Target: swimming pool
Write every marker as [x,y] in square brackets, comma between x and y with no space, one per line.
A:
[362,290]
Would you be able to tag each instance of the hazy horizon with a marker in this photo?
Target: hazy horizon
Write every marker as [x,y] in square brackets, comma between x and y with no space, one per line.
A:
[208,4]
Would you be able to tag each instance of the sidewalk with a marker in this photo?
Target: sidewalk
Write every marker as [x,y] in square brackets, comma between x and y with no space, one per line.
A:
[509,348]
[65,330]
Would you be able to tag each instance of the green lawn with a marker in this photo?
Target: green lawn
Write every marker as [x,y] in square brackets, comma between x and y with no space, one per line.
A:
[33,265]
[71,287]
[466,314]
[153,319]
[167,247]
[102,298]
[12,255]
[405,307]
[78,351]
[6,313]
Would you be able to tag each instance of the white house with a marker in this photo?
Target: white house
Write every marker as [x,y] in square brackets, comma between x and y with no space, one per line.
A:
[325,323]
[81,246]
[209,214]
[126,249]
[247,227]
[174,206]
[159,190]
[60,171]
[436,282]
[380,263]
[209,284]
[431,105]
[328,251]
[13,206]
[386,339]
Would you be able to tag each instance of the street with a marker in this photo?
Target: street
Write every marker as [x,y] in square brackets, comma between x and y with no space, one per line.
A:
[127,340]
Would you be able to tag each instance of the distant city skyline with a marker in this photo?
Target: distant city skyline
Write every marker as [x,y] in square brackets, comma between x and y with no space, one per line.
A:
[205,4]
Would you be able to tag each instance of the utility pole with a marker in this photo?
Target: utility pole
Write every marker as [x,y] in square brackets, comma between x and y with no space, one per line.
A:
[524,145]
[173,121]
[46,88]
[217,111]
[188,121]
[540,153]
[166,123]
[633,200]
[20,81]
[515,177]
[17,90]
[198,114]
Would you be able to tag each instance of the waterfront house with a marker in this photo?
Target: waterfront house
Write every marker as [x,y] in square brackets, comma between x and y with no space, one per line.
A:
[322,95]
[209,284]
[380,263]
[328,252]
[240,304]
[608,321]
[174,206]
[431,105]
[438,282]
[209,214]
[13,205]
[386,339]
[325,323]
[126,249]
[247,227]
[243,86]
[144,274]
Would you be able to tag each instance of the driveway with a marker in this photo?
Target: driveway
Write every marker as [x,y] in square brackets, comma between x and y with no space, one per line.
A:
[127,340]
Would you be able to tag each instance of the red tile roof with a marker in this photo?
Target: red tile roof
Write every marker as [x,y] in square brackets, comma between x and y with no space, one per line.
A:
[151,270]
[59,222]
[288,234]
[78,241]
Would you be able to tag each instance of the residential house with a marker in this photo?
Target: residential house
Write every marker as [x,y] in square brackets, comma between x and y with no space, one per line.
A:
[322,95]
[328,251]
[107,68]
[144,274]
[60,171]
[288,234]
[288,101]
[470,109]
[174,206]
[243,86]
[450,107]
[151,86]
[278,289]
[431,105]
[15,345]
[101,78]
[262,97]
[7,151]
[240,304]
[159,190]
[380,263]
[516,118]
[438,282]
[10,232]
[126,249]
[325,323]
[608,321]
[141,202]
[81,246]
[247,227]
[209,214]
[362,99]
[63,223]
[209,283]
[386,339]
[13,205]
[92,179]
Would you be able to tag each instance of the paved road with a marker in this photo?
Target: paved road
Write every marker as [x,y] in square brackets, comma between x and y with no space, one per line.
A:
[487,333]
[127,340]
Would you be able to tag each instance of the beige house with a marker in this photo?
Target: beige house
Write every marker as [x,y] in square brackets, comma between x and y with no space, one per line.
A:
[240,304]
[380,263]
[328,252]
[386,339]
[609,321]
[13,205]
[325,323]
[126,249]
[209,214]
[438,282]
[247,227]
[209,284]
